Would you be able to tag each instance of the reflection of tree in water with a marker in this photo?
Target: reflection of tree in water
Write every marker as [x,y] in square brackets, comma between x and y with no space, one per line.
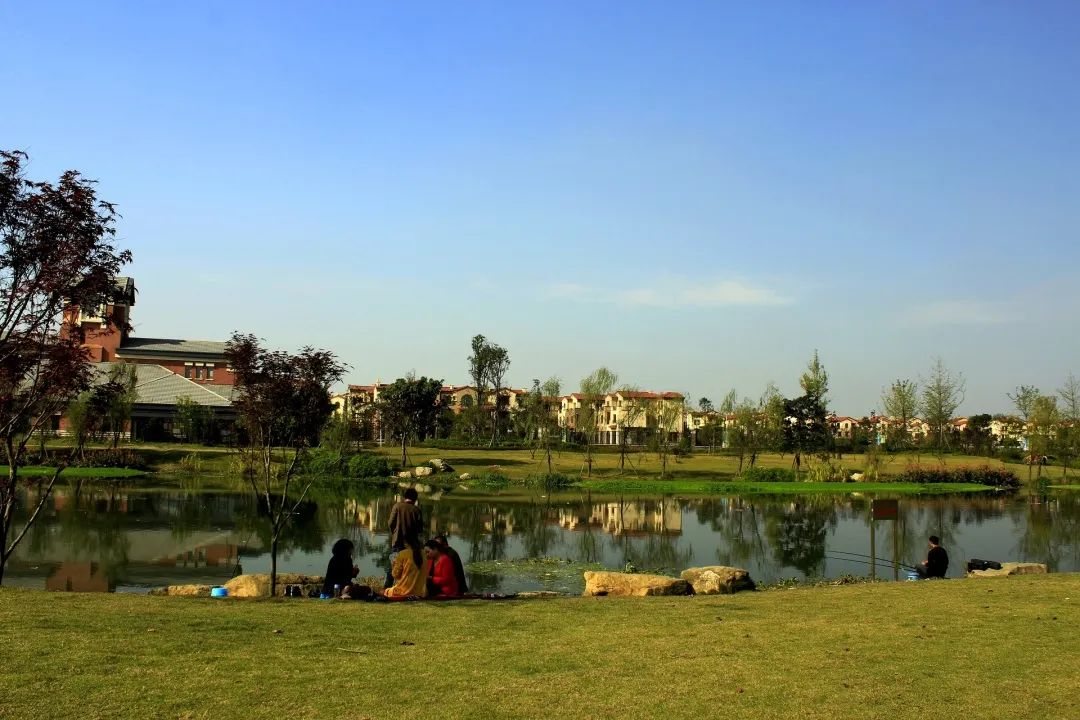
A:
[1051,533]
[797,534]
[739,526]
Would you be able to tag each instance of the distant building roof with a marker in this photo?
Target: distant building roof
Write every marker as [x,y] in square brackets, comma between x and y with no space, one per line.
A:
[156,385]
[167,347]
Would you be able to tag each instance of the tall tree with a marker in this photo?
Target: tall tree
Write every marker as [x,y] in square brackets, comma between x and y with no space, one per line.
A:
[669,414]
[815,381]
[806,428]
[124,377]
[710,426]
[771,408]
[1069,443]
[727,411]
[942,393]
[1045,422]
[497,366]
[409,408]
[479,362]
[282,403]
[541,422]
[594,388]
[56,253]
[900,402]
[1024,399]
[630,412]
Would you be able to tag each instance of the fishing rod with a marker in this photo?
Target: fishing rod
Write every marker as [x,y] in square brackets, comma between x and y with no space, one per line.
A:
[878,564]
[878,559]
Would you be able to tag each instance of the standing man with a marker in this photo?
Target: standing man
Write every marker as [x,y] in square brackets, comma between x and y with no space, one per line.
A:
[937,560]
[406,521]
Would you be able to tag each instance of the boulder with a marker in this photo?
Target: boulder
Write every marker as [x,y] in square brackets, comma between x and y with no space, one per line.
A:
[422,471]
[464,476]
[183,590]
[258,585]
[440,465]
[404,474]
[857,477]
[1011,568]
[617,584]
[717,580]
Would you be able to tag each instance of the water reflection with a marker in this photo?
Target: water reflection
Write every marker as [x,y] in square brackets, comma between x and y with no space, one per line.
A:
[96,539]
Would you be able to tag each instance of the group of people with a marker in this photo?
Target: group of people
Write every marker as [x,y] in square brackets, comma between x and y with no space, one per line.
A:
[429,570]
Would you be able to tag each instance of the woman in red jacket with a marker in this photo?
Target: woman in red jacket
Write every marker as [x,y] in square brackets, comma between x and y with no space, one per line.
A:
[443,580]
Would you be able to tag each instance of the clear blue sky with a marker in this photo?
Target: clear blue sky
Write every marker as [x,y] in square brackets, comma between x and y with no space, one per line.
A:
[694,194]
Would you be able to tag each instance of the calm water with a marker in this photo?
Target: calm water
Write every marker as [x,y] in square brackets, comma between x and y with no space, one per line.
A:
[127,539]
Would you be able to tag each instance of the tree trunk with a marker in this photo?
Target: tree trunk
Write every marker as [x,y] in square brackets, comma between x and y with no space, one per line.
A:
[404,457]
[273,562]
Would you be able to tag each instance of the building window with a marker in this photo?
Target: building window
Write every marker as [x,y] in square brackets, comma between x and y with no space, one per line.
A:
[210,373]
[198,373]
[187,371]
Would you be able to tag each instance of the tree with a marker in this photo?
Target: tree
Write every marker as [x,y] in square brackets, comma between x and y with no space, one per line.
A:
[56,253]
[743,437]
[479,370]
[594,388]
[282,403]
[123,377]
[942,394]
[1044,423]
[497,366]
[410,408]
[1024,400]
[630,412]
[1069,435]
[710,426]
[194,420]
[815,381]
[668,414]
[727,409]
[806,427]
[541,424]
[771,407]
[900,402]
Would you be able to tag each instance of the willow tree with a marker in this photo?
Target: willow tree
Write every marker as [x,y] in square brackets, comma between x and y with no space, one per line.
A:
[594,388]
[282,404]
[56,253]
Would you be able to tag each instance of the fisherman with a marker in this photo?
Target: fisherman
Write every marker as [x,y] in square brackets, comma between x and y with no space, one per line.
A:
[937,560]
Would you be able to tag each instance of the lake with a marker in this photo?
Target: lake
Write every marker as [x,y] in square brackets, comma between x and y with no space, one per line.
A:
[96,538]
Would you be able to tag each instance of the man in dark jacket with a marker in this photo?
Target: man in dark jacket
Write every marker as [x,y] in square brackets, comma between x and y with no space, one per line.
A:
[936,563]
[406,521]
[459,569]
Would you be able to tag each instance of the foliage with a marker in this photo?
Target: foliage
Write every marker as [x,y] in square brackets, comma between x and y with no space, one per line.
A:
[196,422]
[368,465]
[282,403]
[191,464]
[986,475]
[806,428]
[491,480]
[56,255]
[825,470]
[900,402]
[549,482]
[760,474]
[942,394]
[594,387]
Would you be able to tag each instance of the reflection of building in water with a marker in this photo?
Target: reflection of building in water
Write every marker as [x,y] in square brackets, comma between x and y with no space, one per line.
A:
[215,555]
[366,515]
[631,518]
[78,577]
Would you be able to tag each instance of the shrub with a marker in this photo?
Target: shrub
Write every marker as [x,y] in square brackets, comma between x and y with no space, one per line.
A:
[549,482]
[985,475]
[191,464]
[322,461]
[826,471]
[111,458]
[490,480]
[367,465]
[757,474]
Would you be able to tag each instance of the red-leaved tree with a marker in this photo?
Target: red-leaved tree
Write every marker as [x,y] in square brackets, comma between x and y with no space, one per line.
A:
[56,252]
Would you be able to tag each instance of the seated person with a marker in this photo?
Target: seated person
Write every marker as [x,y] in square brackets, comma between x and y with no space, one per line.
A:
[442,582]
[340,570]
[937,560]
[409,571]
[459,569]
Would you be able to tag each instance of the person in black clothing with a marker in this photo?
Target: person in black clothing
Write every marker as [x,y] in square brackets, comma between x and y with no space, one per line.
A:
[340,570]
[937,560]
[459,569]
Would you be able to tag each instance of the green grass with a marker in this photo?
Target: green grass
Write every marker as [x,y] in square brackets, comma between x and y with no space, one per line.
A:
[704,487]
[78,472]
[971,649]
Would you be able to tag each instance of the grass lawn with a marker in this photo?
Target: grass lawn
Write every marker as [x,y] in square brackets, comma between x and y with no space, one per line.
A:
[704,487]
[77,472]
[962,648]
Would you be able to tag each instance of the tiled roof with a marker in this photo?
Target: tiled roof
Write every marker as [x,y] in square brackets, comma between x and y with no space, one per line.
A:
[156,385]
[166,346]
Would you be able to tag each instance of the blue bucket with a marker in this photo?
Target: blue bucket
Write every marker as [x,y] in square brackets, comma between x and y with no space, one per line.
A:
[219,592]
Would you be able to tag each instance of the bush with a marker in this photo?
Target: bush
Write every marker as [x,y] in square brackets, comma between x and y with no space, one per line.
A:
[991,477]
[367,465]
[825,471]
[548,482]
[757,474]
[322,461]
[111,458]
[490,480]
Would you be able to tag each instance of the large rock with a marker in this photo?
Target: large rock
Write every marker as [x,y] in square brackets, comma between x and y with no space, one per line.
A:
[258,585]
[1011,568]
[717,580]
[423,471]
[618,584]
[440,465]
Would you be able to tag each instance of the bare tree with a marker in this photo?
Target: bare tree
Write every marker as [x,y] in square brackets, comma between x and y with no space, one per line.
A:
[57,255]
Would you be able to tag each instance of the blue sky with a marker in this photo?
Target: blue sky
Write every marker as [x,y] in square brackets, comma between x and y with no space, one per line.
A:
[696,195]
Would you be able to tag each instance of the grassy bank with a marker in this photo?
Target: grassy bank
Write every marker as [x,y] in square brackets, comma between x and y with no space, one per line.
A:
[78,472]
[705,487]
[976,649]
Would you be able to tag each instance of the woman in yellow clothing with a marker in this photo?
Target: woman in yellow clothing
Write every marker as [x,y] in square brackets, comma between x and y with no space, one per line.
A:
[410,571]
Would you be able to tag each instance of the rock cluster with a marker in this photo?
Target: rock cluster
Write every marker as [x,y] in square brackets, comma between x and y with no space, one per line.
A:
[717,580]
[1011,568]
